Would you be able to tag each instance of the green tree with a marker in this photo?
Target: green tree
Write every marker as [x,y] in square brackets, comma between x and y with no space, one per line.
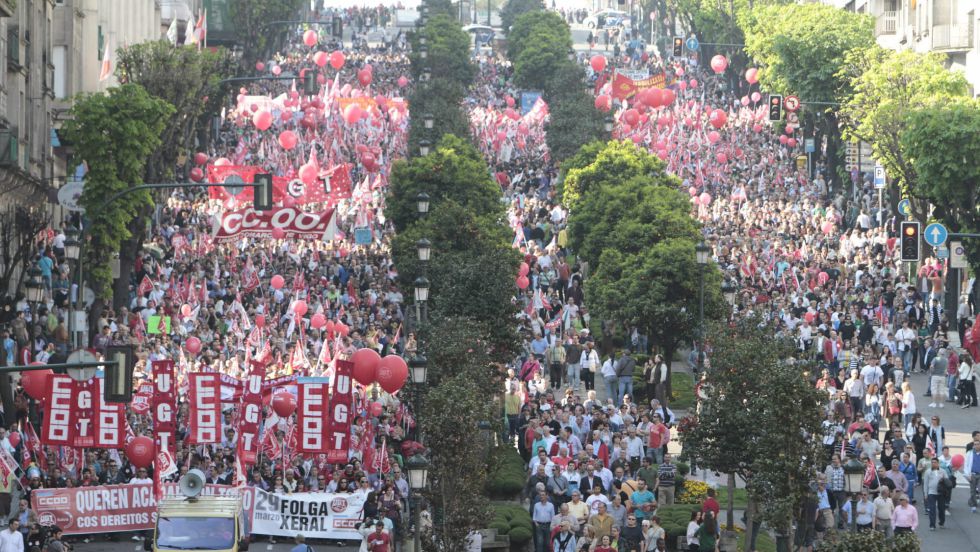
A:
[516,8]
[448,51]
[453,170]
[614,161]
[802,49]
[442,99]
[657,291]
[526,27]
[941,143]
[743,427]
[115,134]
[885,87]
[258,39]
[536,62]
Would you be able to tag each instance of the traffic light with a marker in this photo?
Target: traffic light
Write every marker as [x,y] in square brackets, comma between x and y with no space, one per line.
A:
[678,46]
[337,27]
[118,372]
[309,84]
[775,107]
[910,241]
[263,192]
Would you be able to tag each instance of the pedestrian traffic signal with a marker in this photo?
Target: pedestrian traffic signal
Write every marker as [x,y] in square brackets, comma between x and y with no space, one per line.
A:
[309,84]
[910,241]
[775,107]
[678,46]
[337,27]
[263,192]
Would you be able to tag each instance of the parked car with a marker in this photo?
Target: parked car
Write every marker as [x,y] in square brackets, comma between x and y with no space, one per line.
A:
[606,19]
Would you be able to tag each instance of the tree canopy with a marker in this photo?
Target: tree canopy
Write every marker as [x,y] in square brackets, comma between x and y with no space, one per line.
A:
[115,134]
[516,8]
[613,161]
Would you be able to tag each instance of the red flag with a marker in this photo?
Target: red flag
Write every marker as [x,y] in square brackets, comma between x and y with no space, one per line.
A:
[146,286]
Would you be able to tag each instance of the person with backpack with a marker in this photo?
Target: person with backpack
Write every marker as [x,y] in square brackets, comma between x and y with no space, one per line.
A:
[301,545]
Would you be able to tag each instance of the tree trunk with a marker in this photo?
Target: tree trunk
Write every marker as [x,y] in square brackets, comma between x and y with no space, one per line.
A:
[127,261]
[833,149]
[731,502]
[749,521]
[669,358]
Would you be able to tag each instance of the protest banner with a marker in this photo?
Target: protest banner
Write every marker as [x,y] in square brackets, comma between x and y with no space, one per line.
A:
[338,418]
[204,423]
[250,415]
[315,515]
[293,223]
[163,405]
[311,415]
[624,87]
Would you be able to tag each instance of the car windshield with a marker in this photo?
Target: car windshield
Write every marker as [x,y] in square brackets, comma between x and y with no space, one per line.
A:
[195,533]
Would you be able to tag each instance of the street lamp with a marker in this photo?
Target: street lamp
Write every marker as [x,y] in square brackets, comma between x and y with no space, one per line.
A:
[426,74]
[418,472]
[702,253]
[422,203]
[853,482]
[424,147]
[728,290]
[424,247]
[423,51]
[34,286]
[419,367]
[73,247]
[428,120]
[608,124]
[421,289]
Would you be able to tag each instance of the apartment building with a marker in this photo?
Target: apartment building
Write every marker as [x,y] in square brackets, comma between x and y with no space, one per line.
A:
[947,26]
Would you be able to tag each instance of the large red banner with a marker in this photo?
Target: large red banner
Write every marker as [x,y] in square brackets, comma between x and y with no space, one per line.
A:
[311,420]
[164,406]
[333,185]
[111,508]
[204,426]
[234,176]
[110,422]
[338,421]
[624,87]
[250,415]
[72,407]
[292,222]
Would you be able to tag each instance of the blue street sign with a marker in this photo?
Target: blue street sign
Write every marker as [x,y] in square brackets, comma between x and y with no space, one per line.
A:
[880,182]
[935,234]
[905,207]
[942,253]
[810,145]
[692,43]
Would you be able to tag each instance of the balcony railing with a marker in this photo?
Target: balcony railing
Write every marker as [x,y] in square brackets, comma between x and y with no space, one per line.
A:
[952,37]
[886,23]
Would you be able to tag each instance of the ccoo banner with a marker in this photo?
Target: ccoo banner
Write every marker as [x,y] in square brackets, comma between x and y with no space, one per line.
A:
[312,415]
[291,222]
[205,413]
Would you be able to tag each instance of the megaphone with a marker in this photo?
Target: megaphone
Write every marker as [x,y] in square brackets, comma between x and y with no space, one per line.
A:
[192,483]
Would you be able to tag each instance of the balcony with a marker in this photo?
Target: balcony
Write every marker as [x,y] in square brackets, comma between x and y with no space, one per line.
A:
[958,36]
[886,23]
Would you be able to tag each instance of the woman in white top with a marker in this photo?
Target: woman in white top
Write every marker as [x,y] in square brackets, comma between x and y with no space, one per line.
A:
[908,402]
[967,384]
[693,544]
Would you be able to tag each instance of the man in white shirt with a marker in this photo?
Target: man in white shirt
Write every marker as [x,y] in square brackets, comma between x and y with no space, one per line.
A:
[11,540]
[142,477]
[871,373]
[904,338]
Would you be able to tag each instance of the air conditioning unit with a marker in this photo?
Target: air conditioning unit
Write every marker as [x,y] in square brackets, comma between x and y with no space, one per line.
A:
[8,147]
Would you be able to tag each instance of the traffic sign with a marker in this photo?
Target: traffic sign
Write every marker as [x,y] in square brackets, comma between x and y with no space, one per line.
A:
[880,181]
[809,145]
[692,43]
[942,253]
[935,234]
[905,207]
[957,256]
[791,103]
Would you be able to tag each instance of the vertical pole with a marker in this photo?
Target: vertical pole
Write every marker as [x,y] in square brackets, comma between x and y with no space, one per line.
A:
[881,208]
[700,318]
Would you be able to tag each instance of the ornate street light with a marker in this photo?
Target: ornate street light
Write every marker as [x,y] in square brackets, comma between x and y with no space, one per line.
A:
[424,248]
[422,203]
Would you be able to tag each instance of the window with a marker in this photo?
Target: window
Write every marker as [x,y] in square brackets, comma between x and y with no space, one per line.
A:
[101,47]
[58,59]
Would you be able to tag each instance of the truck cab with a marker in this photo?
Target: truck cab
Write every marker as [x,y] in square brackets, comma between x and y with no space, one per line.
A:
[212,523]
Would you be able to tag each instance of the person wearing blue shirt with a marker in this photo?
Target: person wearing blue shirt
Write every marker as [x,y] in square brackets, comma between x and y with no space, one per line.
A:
[301,545]
[640,497]
[45,263]
[911,475]
[543,511]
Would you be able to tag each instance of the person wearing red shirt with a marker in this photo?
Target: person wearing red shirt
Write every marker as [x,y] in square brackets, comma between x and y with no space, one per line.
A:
[659,437]
[379,541]
[710,504]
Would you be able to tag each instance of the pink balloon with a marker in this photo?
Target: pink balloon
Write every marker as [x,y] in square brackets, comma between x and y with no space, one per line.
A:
[197,174]
[310,38]
[744,100]
[185,310]
[598,63]
[714,137]
[278,234]
[402,81]
[705,198]
[603,102]
[288,139]
[193,345]
[259,66]
[221,162]
[662,154]
[308,174]
[276,70]
[757,128]
[631,116]
[317,321]
[718,118]
[682,85]
[352,114]
[523,282]
[827,227]
[693,83]
[364,77]
[668,96]
[791,142]
[756,97]
[721,158]
[693,191]
[299,307]
[719,63]
[278,281]
[783,139]
[337,60]
[320,59]
[752,76]
[511,114]
[330,326]
[509,100]
[523,269]
[262,120]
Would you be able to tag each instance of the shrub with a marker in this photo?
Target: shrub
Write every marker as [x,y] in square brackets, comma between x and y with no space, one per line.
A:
[513,521]
[508,476]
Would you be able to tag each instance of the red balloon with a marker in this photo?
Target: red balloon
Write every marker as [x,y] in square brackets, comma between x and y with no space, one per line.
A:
[307,173]
[310,38]
[197,174]
[200,158]
[337,60]
[402,81]
[330,326]
[392,373]
[340,327]
[278,281]
[523,282]
[320,58]
[510,101]
[631,116]
[221,162]
[603,102]
[783,139]
[259,66]
[365,365]
[300,308]
[317,321]
[284,404]
[956,462]
[140,451]
[377,409]
[278,234]
[719,63]
[598,63]
[287,138]
[752,76]
[364,77]
[523,269]
[260,321]
[35,382]
[718,118]
[791,142]
[14,438]
[193,345]
[713,136]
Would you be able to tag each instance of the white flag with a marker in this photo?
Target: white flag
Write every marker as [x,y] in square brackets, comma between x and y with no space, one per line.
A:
[172,31]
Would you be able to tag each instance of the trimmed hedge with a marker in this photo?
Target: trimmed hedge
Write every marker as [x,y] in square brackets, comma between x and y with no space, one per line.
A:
[509,474]
[513,521]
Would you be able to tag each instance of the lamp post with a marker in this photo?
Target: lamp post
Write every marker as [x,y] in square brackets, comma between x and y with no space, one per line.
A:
[424,147]
[607,124]
[423,51]
[34,286]
[426,74]
[729,292]
[73,252]
[428,121]
[854,482]
[702,253]
[417,467]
